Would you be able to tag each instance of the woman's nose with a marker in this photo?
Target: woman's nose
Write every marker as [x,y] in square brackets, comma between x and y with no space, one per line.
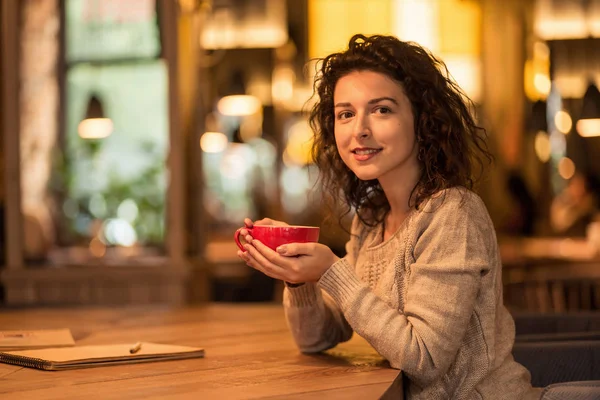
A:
[362,129]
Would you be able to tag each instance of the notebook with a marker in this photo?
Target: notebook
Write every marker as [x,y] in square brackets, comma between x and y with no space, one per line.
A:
[35,339]
[57,359]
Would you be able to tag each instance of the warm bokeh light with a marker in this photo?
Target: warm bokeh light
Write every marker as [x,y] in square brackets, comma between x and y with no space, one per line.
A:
[563,122]
[567,29]
[542,146]
[97,248]
[450,29]
[95,128]
[254,37]
[459,38]
[239,105]
[413,22]
[588,127]
[542,84]
[537,73]
[571,86]
[565,20]
[283,84]
[465,70]
[248,24]
[566,168]
[213,142]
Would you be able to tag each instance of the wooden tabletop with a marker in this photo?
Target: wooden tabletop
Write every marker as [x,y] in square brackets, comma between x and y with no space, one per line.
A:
[520,251]
[249,355]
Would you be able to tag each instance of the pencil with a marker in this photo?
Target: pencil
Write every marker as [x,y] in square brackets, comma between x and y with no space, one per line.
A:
[136,347]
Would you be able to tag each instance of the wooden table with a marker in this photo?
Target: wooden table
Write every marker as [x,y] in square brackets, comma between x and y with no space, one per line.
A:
[553,274]
[249,355]
[519,251]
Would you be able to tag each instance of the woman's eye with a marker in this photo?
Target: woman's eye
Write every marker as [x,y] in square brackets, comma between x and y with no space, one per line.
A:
[383,110]
[344,115]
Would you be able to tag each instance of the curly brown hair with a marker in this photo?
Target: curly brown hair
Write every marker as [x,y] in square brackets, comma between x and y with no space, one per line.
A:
[450,144]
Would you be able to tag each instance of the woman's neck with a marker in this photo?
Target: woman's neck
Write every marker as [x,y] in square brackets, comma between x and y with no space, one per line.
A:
[393,220]
[398,195]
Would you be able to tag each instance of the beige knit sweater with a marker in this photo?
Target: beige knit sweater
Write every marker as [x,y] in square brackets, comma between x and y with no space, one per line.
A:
[428,299]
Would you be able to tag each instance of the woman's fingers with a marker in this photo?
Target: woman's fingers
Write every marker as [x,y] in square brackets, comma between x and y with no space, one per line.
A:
[244,233]
[244,256]
[269,255]
[286,268]
[248,223]
[251,262]
[278,265]
[265,221]
[255,252]
[272,263]
[269,221]
[296,249]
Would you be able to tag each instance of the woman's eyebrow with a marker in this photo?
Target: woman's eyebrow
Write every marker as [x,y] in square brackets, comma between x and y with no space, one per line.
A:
[372,101]
[343,105]
[379,99]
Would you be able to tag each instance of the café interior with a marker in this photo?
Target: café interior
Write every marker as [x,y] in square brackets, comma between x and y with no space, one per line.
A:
[138,134]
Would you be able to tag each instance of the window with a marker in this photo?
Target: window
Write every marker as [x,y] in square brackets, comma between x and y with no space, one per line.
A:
[111,189]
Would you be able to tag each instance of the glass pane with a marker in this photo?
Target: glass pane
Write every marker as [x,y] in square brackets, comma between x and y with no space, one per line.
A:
[115,187]
[111,29]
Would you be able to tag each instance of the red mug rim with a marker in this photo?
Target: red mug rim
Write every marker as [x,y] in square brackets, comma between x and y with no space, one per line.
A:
[300,227]
[285,226]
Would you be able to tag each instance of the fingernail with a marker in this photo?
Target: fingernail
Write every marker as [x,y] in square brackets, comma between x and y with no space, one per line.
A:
[282,249]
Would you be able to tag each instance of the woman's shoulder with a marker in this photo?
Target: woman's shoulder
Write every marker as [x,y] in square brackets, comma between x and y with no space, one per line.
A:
[453,206]
[455,199]
[455,214]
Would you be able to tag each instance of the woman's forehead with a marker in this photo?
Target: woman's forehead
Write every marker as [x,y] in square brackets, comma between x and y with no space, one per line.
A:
[360,83]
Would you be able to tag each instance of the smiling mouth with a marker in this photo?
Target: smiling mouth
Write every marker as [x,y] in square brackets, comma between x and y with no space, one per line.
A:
[362,152]
[362,155]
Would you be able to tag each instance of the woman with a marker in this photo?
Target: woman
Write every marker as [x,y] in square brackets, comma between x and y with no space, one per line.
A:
[421,281]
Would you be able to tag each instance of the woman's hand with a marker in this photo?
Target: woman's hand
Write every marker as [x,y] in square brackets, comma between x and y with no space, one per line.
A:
[264,221]
[293,263]
[248,223]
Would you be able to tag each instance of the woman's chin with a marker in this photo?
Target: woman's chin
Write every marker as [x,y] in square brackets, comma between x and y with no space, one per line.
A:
[366,176]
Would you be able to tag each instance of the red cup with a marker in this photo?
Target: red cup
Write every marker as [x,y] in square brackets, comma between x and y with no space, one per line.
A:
[275,236]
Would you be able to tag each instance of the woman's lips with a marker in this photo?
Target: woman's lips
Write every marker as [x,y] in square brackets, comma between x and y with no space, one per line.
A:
[365,154]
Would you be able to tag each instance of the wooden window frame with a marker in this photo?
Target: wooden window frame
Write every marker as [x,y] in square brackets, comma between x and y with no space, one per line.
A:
[164,283]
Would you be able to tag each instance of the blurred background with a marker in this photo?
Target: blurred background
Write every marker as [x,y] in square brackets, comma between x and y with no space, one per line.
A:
[137,135]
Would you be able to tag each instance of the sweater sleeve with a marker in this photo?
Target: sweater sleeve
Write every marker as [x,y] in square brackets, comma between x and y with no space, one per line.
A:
[451,252]
[314,318]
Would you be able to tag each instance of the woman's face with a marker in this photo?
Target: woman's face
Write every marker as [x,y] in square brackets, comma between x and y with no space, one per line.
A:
[374,127]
